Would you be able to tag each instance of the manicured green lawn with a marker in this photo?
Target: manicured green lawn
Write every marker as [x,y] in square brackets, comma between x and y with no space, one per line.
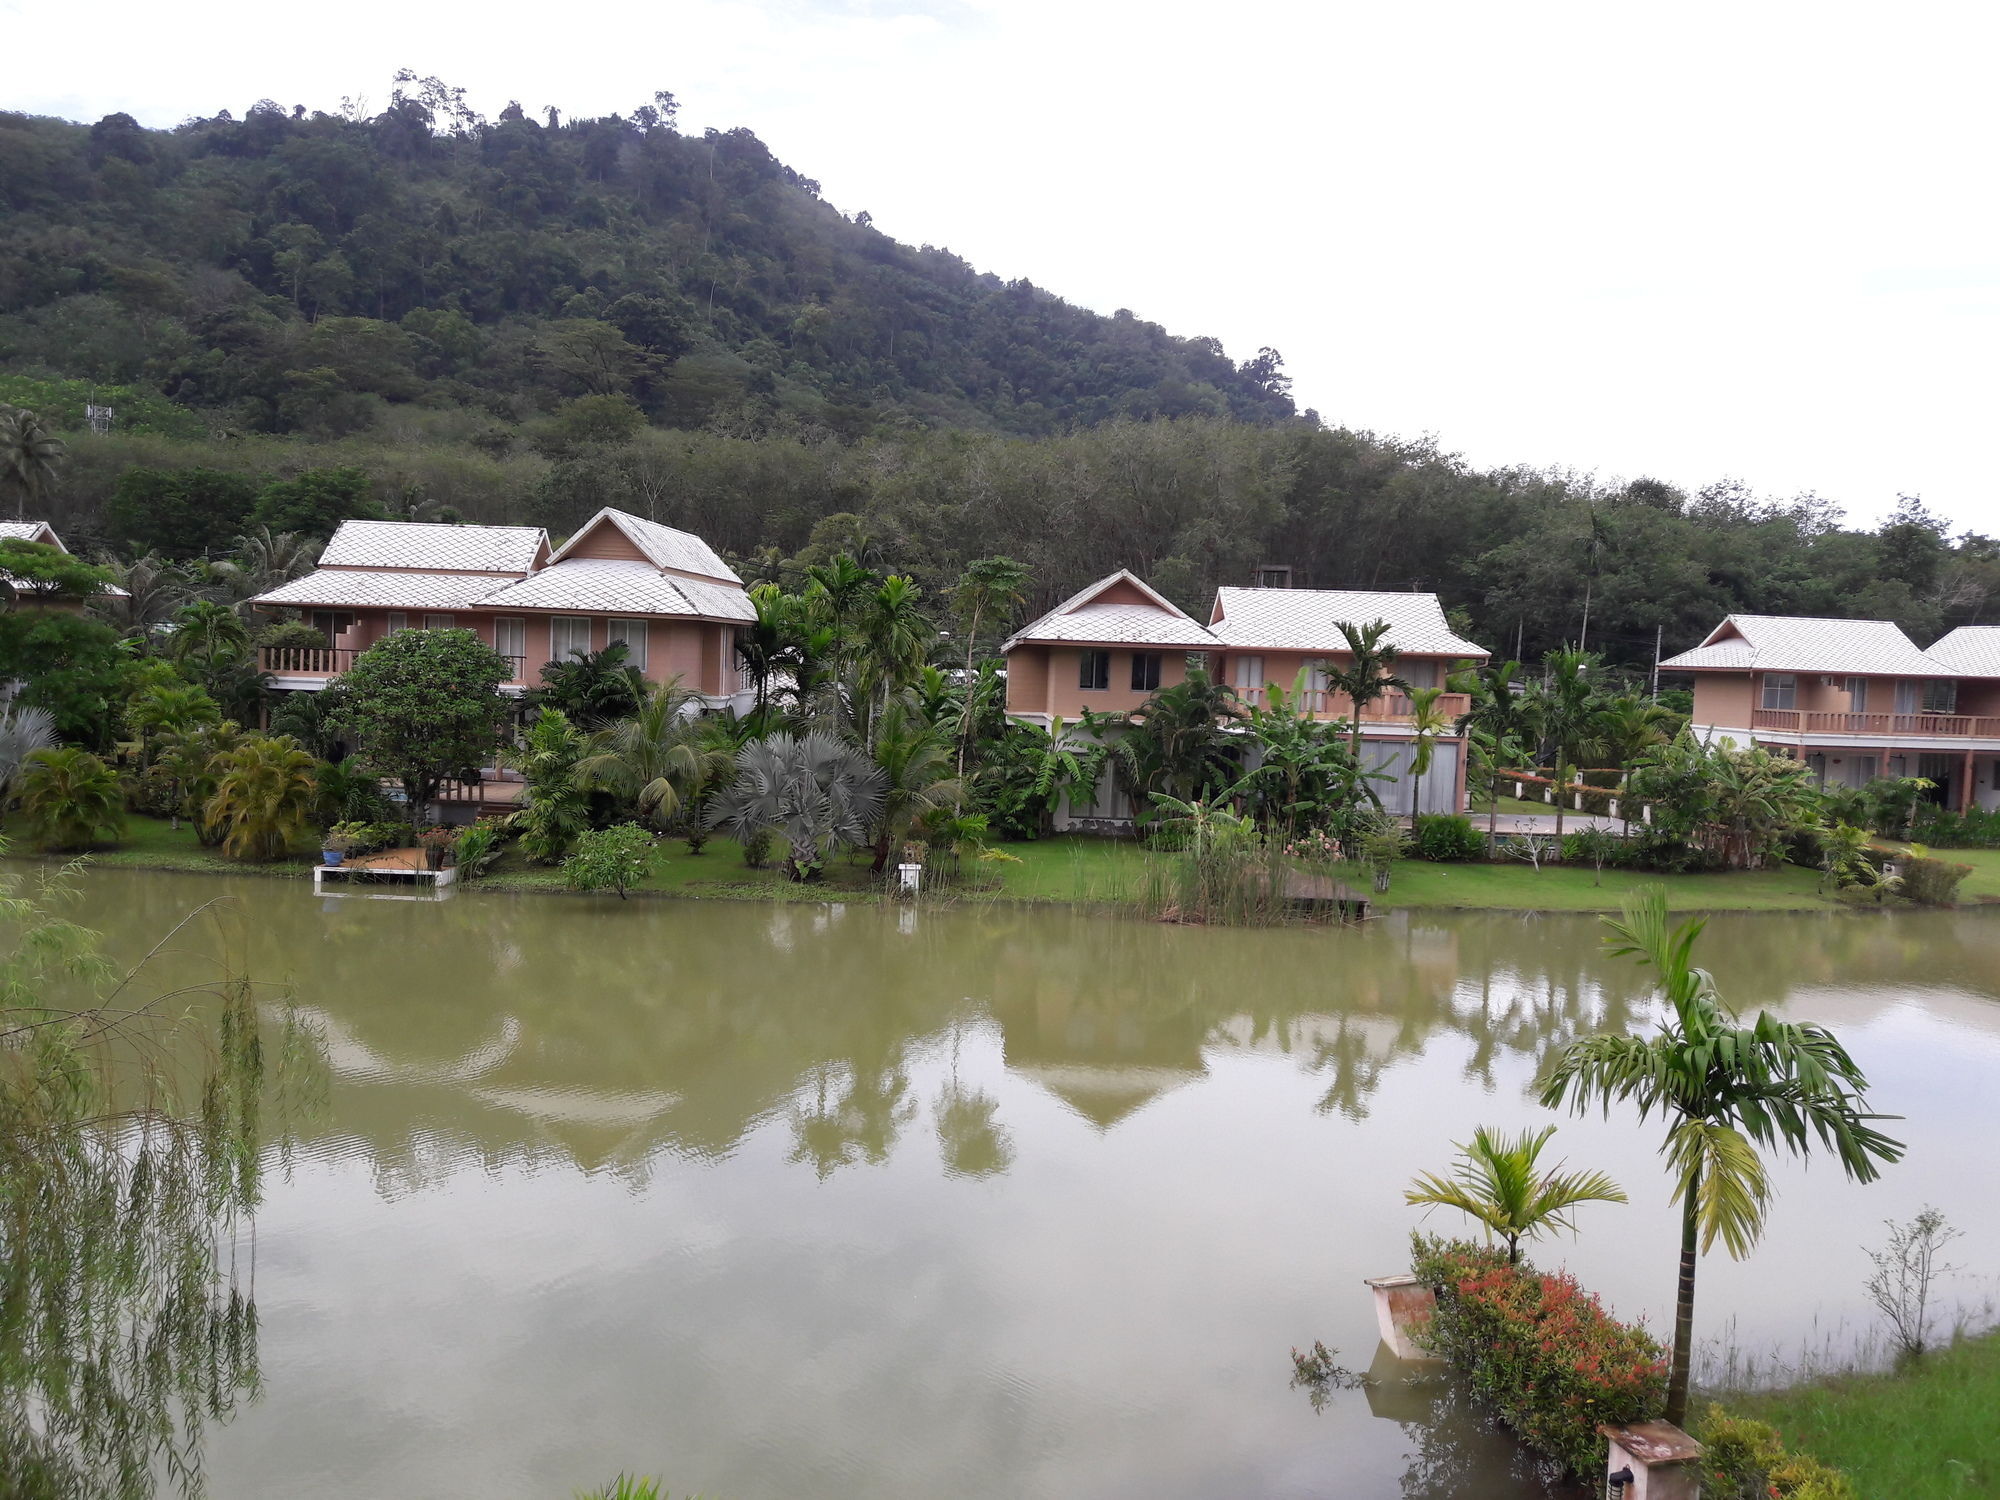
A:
[1418,883]
[1983,884]
[1510,806]
[1930,1431]
[155,844]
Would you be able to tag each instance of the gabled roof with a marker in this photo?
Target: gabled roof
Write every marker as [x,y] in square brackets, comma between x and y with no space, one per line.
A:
[1310,620]
[359,588]
[1796,643]
[676,551]
[1970,651]
[615,586]
[31,531]
[1086,618]
[434,547]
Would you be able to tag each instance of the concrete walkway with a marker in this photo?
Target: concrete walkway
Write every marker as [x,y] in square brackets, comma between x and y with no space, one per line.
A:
[1573,822]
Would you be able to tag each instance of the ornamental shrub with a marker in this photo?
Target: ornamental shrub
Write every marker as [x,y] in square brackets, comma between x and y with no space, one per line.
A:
[1746,1460]
[1540,1349]
[1448,838]
[1932,882]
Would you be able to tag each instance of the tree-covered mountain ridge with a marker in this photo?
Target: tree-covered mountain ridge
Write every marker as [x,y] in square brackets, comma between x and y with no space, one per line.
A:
[289,271]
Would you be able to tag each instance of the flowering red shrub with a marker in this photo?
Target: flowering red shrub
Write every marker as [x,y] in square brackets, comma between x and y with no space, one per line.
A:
[1542,1350]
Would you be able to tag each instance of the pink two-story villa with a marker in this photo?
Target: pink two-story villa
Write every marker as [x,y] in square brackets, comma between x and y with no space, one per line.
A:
[1112,645]
[1855,699]
[664,593]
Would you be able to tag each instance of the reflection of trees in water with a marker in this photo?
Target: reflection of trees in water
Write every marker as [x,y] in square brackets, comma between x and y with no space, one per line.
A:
[1458,1451]
[530,1031]
[130,1149]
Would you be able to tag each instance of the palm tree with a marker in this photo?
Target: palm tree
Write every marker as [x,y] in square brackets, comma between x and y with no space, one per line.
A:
[558,805]
[70,798]
[1565,705]
[768,643]
[1498,725]
[818,794]
[29,454]
[264,560]
[650,759]
[892,638]
[265,792]
[1428,724]
[155,591]
[591,688]
[163,708]
[1723,1089]
[1497,1182]
[23,731]
[1626,727]
[913,755]
[205,632]
[989,585]
[1177,743]
[1368,674]
[188,758]
[1061,765]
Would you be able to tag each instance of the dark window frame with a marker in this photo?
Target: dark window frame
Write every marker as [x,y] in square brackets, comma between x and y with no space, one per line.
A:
[1146,665]
[1093,671]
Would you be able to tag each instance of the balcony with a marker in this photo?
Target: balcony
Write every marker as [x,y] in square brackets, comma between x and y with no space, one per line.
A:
[1887,726]
[331,661]
[1392,708]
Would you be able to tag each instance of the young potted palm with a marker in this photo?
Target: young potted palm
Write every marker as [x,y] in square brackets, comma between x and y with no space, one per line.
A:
[334,844]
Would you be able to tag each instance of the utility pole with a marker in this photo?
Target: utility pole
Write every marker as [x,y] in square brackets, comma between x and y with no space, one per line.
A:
[1658,632]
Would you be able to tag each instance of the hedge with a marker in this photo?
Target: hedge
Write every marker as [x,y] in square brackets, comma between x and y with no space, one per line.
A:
[1537,1347]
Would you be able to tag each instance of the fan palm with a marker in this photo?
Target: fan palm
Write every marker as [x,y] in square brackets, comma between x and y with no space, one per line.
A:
[23,731]
[1369,673]
[816,793]
[1722,1089]
[70,798]
[1498,1181]
[265,792]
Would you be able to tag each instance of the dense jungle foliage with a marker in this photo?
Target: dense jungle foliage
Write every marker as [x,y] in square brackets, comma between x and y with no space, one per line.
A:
[525,319]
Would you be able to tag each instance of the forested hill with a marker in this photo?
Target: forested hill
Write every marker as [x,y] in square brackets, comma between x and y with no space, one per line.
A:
[294,272]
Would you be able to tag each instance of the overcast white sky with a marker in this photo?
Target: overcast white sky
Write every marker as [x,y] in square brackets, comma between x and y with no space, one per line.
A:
[1746,239]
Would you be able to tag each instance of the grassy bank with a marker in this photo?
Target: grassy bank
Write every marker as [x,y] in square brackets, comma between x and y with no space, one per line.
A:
[1928,1431]
[1096,871]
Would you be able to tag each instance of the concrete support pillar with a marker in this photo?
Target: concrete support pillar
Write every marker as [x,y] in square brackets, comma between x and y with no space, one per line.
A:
[1663,1462]
[1965,785]
[1403,1306]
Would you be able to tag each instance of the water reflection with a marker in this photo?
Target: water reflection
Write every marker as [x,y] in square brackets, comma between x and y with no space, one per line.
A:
[785,1200]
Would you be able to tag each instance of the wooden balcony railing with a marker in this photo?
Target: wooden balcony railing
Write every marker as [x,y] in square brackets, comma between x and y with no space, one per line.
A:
[1899,726]
[331,661]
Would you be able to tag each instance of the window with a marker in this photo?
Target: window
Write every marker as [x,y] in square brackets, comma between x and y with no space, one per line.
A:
[1145,671]
[1940,696]
[1418,674]
[1247,675]
[569,635]
[1270,577]
[1857,694]
[633,634]
[437,622]
[1093,673]
[398,621]
[1781,690]
[1906,696]
[510,639]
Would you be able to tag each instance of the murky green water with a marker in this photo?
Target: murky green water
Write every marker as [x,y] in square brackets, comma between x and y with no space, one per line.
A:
[779,1201]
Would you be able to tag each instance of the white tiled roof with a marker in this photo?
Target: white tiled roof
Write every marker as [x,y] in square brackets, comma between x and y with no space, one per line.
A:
[1078,619]
[613,586]
[431,545]
[341,588]
[30,531]
[680,551]
[1970,651]
[1790,643]
[1310,620]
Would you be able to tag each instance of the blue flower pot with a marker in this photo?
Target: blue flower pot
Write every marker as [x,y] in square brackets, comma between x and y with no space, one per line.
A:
[331,856]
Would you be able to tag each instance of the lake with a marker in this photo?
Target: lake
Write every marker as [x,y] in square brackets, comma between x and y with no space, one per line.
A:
[780,1200]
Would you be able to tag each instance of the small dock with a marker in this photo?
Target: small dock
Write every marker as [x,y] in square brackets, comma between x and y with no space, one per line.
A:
[405,868]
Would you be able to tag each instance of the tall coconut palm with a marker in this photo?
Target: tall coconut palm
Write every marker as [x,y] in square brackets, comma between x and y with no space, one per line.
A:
[265,791]
[914,757]
[70,798]
[29,455]
[1722,1089]
[1498,1181]
[1369,673]
[811,790]
[155,590]
[652,758]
